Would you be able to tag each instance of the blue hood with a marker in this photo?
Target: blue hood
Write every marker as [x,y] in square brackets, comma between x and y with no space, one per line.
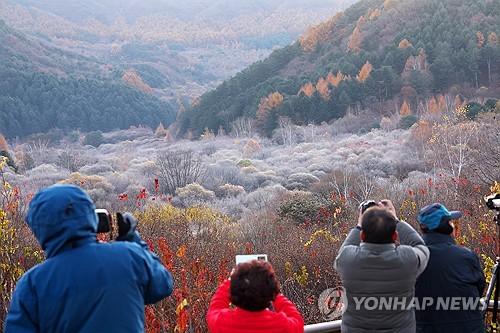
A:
[62,216]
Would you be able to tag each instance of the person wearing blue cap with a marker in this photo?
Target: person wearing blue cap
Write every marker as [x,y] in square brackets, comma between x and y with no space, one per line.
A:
[453,273]
[84,285]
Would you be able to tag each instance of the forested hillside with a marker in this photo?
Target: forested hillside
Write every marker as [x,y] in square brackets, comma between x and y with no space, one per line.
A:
[392,55]
[43,87]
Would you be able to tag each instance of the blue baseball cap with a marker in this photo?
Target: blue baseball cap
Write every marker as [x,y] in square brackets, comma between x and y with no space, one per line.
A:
[432,215]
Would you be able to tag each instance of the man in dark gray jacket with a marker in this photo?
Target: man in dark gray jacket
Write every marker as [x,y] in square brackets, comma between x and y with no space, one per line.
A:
[378,275]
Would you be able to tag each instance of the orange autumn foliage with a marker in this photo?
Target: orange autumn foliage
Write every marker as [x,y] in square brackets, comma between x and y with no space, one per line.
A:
[365,72]
[405,109]
[404,44]
[436,104]
[307,89]
[160,131]
[374,13]
[268,103]
[335,80]
[441,100]
[417,63]
[480,39]
[323,88]
[318,34]
[356,38]
[492,38]
[433,105]
[3,143]
[388,4]
[133,79]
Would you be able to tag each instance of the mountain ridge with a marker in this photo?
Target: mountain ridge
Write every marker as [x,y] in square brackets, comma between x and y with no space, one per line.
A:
[408,51]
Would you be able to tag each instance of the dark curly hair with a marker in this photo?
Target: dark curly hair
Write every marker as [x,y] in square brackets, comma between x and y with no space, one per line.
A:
[254,286]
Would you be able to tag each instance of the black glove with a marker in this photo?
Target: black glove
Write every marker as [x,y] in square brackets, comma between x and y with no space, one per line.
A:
[126,226]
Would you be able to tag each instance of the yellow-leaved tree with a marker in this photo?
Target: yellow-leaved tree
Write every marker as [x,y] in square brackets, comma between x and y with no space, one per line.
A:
[365,72]
[323,88]
[318,33]
[356,38]
[266,105]
[374,13]
[307,89]
[405,109]
[492,38]
[388,4]
[160,131]
[432,105]
[480,39]
[441,100]
[133,79]
[404,44]
[3,144]
[335,79]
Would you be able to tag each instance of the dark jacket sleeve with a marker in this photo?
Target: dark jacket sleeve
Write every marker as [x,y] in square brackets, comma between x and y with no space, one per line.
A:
[477,274]
[22,316]
[158,282]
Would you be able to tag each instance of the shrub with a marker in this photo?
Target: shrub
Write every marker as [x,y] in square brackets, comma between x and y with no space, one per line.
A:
[98,187]
[44,175]
[74,136]
[70,160]
[230,190]
[244,163]
[10,160]
[407,121]
[251,148]
[18,249]
[223,172]
[491,104]
[306,207]
[177,169]
[301,181]
[94,139]
[194,194]
[25,160]
[96,169]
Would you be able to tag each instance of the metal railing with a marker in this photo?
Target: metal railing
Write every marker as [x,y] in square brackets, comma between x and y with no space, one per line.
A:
[334,326]
[328,327]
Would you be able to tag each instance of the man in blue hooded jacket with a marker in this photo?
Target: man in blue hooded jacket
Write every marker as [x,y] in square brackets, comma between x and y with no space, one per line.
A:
[84,285]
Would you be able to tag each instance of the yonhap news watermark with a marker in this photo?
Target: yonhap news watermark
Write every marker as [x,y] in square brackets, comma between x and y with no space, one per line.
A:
[372,303]
[333,303]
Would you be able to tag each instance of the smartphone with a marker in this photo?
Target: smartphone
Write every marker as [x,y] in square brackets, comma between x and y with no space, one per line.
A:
[250,257]
[104,221]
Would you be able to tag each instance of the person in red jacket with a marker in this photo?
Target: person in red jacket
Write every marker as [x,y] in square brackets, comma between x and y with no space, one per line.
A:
[250,301]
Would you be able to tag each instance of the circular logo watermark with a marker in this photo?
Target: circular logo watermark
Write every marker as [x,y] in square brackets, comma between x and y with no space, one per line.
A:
[332,303]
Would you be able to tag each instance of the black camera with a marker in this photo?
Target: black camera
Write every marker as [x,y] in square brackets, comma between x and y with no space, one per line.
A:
[104,221]
[124,222]
[367,204]
[493,201]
